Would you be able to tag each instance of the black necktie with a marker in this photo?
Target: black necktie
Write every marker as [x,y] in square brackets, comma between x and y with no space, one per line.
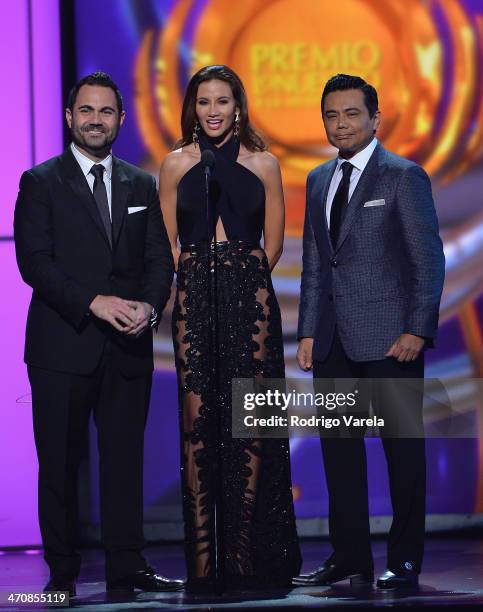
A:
[100,196]
[339,204]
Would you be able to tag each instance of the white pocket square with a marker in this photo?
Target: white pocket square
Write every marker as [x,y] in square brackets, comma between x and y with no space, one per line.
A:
[135,209]
[374,203]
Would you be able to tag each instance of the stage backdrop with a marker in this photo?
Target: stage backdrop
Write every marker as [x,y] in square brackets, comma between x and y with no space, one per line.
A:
[425,58]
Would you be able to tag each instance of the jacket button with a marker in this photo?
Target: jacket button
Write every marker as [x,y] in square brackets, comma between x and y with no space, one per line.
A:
[333,263]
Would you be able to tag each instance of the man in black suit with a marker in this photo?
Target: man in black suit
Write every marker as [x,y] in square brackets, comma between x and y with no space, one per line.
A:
[91,242]
[373,271]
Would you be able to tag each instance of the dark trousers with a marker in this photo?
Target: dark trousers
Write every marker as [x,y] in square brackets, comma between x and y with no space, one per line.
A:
[346,468]
[62,404]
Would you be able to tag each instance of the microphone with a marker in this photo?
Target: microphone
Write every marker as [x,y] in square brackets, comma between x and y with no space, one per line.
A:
[208,161]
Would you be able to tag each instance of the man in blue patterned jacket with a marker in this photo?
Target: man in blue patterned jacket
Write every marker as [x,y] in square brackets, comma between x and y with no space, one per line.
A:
[372,278]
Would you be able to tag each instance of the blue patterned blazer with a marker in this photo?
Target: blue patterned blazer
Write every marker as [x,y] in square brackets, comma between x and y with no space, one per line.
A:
[385,277]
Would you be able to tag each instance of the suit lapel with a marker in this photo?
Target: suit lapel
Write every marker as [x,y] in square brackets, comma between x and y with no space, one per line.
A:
[120,195]
[319,200]
[361,194]
[77,182]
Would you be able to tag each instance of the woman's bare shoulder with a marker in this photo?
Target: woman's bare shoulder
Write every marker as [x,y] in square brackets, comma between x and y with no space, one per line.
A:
[265,163]
[266,158]
[177,162]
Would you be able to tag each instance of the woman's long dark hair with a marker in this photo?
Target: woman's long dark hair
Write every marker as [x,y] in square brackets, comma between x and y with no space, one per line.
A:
[247,135]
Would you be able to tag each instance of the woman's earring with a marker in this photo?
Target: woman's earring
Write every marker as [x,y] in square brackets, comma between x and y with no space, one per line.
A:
[236,125]
[196,129]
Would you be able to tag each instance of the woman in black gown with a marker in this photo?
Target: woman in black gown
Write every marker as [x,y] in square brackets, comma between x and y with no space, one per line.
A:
[255,523]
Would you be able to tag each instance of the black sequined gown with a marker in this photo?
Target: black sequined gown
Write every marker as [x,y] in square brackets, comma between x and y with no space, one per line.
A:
[259,545]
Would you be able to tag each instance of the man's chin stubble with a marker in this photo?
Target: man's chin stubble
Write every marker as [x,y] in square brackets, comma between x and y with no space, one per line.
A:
[93,148]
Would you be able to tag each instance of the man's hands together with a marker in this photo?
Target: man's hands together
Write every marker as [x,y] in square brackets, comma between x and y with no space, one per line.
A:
[127,316]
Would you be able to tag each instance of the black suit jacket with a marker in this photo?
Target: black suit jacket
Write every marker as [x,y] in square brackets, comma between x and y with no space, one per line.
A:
[63,253]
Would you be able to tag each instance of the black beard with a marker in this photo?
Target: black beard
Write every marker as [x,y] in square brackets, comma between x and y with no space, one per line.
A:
[102,149]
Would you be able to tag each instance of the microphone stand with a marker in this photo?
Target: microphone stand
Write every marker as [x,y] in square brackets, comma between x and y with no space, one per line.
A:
[213,275]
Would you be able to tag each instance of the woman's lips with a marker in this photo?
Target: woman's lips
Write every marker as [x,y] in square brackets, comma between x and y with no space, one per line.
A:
[214,125]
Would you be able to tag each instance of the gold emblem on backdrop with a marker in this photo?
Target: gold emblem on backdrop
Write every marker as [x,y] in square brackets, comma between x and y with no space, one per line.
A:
[421,55]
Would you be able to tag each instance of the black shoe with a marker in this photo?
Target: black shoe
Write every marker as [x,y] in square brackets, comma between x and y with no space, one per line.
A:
[145,580]
[325,566]
[61,583]
[402,578]
[330,573]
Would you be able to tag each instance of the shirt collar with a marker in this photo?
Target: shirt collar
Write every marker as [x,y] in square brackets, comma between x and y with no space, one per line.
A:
[86,164]
[359,160]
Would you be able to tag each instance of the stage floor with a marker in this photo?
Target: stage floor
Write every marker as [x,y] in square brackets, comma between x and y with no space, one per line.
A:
[452,576]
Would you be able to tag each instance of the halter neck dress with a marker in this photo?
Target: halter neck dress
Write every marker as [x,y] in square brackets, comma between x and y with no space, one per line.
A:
[226,324]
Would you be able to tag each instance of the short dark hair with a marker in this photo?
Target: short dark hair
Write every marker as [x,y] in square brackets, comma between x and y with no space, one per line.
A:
[95,78]
[342,82]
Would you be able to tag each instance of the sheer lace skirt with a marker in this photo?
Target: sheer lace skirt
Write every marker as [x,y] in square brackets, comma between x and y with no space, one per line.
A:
[248,479]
